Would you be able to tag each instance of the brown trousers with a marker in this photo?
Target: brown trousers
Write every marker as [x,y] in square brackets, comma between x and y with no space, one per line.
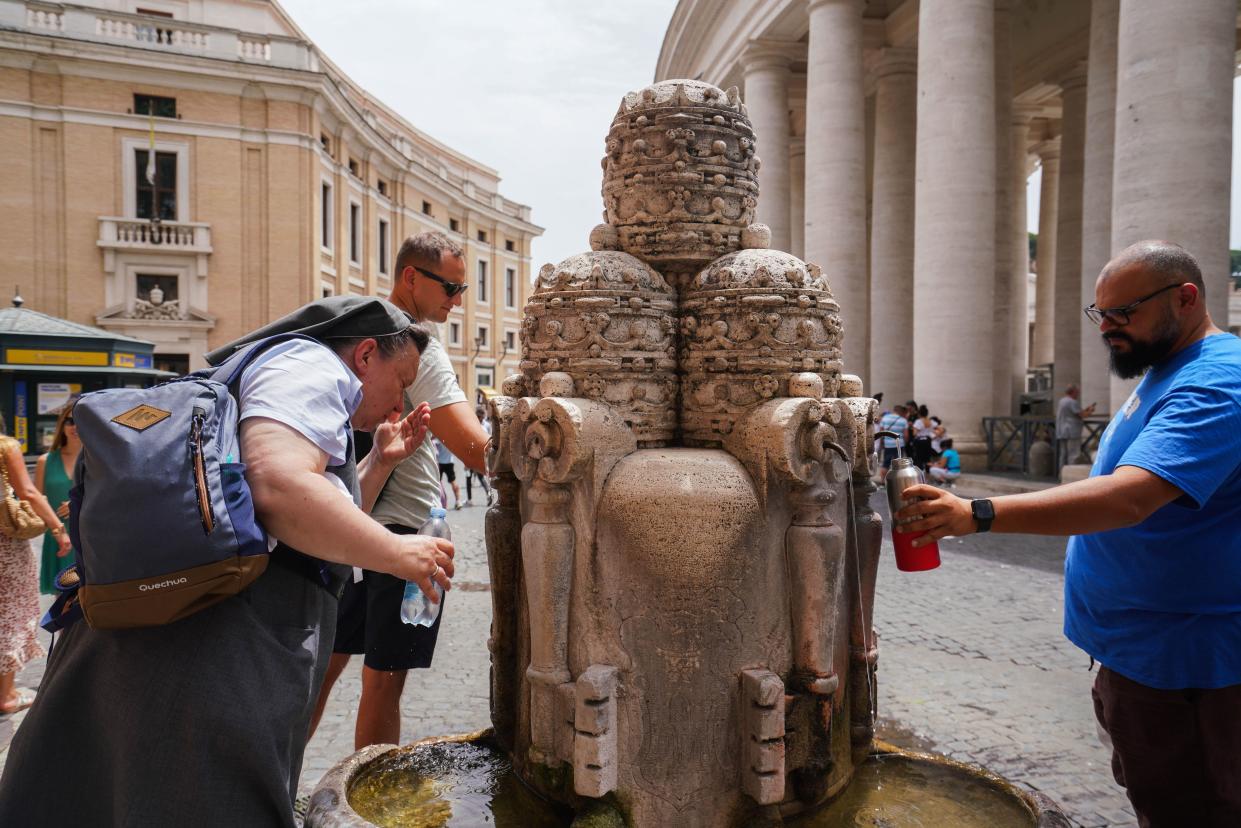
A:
[1177,753]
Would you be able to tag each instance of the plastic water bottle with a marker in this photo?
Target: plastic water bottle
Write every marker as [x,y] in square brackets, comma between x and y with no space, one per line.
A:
[416,608]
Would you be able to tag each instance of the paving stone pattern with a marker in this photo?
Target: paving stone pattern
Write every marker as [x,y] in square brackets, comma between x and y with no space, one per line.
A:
[973,665]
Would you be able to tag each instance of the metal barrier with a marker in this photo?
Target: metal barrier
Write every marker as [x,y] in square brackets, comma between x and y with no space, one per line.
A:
[1009,440]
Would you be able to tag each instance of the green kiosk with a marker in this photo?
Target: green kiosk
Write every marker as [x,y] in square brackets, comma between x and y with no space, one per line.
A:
[47,361]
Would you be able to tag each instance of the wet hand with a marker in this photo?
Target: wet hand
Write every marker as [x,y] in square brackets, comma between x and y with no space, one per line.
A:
[428,559]
[394,441]
[936,512]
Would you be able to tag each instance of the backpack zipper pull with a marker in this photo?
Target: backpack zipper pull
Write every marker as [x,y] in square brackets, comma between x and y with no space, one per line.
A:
[205,513]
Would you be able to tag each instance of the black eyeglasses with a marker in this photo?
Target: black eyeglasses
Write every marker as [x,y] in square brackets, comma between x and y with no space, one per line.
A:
[1120,316]
[450,288]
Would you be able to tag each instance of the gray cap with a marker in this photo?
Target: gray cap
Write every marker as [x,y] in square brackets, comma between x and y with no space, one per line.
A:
[335,317]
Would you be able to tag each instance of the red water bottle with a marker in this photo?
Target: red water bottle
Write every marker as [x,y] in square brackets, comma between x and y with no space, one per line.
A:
[909,558]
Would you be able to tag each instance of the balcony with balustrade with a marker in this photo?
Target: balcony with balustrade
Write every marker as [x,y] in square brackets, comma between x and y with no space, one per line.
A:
[156,33]
[189,238]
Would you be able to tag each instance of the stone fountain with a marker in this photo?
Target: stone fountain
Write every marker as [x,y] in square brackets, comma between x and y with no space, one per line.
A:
[683,555]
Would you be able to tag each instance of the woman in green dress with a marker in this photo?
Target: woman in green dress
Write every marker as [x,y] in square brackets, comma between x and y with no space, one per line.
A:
[53,475]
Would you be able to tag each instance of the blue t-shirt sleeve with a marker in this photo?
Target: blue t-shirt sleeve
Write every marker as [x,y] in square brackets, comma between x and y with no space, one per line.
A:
[1193,441]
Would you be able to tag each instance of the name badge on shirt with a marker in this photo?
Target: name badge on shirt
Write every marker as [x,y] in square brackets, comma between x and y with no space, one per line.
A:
[1132,404]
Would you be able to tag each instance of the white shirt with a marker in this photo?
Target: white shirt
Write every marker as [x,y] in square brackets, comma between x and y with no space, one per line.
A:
[305,386]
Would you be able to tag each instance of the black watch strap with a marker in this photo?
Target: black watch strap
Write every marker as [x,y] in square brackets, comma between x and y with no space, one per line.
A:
[984,513]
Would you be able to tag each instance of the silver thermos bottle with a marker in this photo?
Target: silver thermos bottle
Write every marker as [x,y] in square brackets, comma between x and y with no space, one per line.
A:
[903,474]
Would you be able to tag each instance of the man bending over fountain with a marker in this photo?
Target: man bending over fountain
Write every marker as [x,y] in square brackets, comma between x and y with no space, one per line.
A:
[203,721]
[1153,572]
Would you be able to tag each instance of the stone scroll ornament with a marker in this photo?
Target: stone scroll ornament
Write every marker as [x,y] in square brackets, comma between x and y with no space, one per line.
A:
[559,447]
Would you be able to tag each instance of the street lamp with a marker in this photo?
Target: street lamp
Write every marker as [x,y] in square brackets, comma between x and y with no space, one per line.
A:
[500,361]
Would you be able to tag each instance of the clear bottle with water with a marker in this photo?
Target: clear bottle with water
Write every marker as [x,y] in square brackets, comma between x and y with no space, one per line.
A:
[416,608]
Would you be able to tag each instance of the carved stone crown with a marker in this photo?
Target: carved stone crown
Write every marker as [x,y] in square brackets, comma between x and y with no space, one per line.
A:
[680,179]
[749,322]
[608,320]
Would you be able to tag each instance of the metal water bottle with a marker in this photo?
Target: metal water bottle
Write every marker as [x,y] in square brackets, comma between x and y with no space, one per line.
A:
[909,558]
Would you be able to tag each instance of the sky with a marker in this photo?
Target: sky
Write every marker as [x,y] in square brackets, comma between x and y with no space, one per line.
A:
[525,87]
[528,88]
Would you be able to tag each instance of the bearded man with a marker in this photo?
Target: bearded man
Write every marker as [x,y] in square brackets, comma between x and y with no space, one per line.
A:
[1153,569]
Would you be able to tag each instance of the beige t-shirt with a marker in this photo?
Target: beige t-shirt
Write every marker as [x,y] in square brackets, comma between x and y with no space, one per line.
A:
[414,486]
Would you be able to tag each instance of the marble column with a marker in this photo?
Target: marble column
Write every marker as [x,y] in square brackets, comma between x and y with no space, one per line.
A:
[1067,339]
[836,166]
[954,234]
[1018,248]
[1173,149]
[1044,348]
[767,100]
[797,197]
[1003,302]
[892,225]
[1097,190]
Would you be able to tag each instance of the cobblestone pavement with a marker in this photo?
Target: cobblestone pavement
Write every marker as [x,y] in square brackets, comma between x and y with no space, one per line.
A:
[972,665]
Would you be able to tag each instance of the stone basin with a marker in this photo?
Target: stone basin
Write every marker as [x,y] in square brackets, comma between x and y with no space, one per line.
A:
[466,780]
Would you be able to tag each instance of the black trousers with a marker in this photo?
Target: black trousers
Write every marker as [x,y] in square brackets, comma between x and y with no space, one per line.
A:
[1177,753]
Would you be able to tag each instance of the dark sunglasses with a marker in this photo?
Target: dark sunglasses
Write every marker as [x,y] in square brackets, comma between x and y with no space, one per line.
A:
[68,421]
[1120,316]
[450,288]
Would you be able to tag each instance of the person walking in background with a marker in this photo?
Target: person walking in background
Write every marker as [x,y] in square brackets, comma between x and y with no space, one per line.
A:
[53,475]
[471,474]
[19,580]
[1069,418]
[448,471]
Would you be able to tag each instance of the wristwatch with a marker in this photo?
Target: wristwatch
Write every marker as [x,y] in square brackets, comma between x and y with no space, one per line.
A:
[984,513]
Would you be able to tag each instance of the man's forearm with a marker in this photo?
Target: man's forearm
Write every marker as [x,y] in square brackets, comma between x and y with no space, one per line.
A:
[310,514]
[372,475]
[1098,504]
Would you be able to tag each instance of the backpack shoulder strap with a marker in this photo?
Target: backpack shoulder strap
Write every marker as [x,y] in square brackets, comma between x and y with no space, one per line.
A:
[229,371]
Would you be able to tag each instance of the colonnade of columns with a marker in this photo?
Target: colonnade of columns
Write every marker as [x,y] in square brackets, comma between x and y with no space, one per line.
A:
[1137,144]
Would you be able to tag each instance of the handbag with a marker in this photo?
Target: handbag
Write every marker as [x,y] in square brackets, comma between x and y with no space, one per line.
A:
[17,518]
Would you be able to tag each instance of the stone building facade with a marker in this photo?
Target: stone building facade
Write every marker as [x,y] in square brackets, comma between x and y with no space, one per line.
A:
[897,138]
[277,180]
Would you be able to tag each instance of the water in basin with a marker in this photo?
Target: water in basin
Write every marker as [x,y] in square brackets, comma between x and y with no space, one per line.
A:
[894,791]
[447,785]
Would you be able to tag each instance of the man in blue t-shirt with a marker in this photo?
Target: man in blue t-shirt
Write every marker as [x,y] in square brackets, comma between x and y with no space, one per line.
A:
[1153,571]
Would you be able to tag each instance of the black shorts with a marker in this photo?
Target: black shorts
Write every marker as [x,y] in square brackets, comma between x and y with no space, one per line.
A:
[368,622]
[450,470]
[889,454]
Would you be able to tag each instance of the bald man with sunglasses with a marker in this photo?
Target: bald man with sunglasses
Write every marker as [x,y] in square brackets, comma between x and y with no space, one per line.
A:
[1153,569]
[430,281]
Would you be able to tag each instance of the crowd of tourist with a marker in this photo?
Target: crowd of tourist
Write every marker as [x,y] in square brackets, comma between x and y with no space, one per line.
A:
[920,436]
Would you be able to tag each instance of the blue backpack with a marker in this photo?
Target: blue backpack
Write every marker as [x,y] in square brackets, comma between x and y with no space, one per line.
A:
[160,513]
